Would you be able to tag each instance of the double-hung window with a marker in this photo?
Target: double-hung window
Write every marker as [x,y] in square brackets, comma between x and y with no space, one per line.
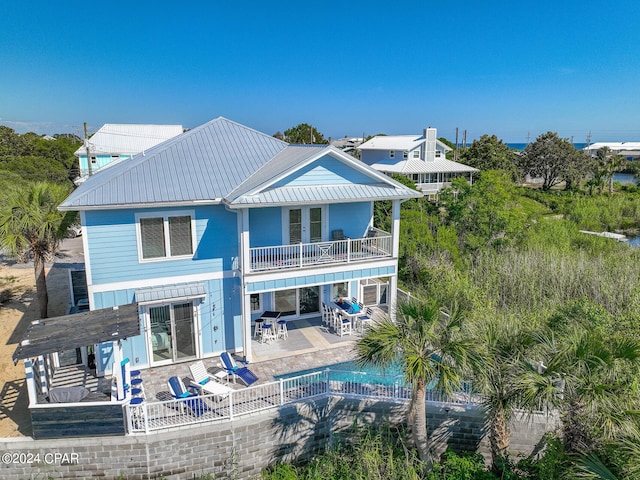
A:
[165,235]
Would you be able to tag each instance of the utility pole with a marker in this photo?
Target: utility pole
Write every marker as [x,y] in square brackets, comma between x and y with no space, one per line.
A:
[455,154]
[464,140]
[86,146]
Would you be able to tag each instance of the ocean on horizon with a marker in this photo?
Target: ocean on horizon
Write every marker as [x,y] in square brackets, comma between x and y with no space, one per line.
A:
[521,146]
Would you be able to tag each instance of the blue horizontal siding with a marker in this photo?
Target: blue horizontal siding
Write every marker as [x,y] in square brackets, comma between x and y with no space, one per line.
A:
[352,218]
[325,171]
[265,226]
[113,250]
[220,322]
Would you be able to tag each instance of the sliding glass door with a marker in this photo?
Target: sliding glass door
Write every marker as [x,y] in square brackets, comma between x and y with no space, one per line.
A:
[172,331]
[298,301]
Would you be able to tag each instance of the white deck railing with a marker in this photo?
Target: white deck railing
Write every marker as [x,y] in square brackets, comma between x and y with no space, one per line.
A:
[158,415]
[302,255]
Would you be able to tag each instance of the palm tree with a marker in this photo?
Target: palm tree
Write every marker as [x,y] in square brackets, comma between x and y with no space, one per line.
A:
[429,348]
[598,375]
[31,224]
[609,163]
[506,346]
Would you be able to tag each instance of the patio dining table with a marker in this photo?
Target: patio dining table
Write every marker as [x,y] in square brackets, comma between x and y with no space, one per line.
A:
[344,308]
[269,319]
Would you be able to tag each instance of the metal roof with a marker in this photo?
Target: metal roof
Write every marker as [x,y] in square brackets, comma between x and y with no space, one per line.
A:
[222,161]
[398,142]
[165,292]
[414,165]
[615,146]
[293,155]
[203,164]
[53,334]
[257,189]
[327,194]
[117,139]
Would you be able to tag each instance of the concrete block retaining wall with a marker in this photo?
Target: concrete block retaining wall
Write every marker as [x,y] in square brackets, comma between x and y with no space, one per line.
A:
[241,448]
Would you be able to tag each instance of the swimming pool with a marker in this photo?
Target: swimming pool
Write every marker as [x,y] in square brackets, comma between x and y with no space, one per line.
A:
[350,372]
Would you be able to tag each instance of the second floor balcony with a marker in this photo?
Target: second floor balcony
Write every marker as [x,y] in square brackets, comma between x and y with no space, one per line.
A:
[377,244]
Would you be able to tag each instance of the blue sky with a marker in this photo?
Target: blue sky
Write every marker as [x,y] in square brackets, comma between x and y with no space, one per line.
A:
[514,69]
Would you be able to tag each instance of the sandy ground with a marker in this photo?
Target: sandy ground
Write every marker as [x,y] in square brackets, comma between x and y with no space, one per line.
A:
[15,315]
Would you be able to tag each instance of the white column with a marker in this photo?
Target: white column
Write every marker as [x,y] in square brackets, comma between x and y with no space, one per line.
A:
[31,381]
[42,375]
[245,301]
[392,294]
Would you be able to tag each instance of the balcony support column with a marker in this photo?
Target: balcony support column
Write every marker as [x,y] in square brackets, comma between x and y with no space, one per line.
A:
[395,251]
[245,266]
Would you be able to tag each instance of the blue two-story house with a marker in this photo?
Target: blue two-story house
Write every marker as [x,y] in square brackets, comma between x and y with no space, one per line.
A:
[214,226]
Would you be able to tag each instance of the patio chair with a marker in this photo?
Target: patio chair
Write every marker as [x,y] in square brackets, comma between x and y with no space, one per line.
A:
[205,382]
[187,399]
[326,318]
[366,320]
[243,373]
[344,325]
[338,235]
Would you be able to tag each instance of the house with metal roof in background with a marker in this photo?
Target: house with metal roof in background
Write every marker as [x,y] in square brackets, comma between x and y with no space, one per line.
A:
[629,150]
[210,229]
[422,158]
[115,142]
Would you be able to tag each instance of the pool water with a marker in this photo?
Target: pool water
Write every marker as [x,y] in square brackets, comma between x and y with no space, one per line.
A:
[350,372]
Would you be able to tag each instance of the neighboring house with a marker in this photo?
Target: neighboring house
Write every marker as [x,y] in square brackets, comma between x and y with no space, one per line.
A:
[347,144]
[213,227]
[113,142]
[421,158]
[629,150]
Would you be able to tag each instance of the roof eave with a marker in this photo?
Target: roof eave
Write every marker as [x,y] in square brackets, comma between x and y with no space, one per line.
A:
[190,203]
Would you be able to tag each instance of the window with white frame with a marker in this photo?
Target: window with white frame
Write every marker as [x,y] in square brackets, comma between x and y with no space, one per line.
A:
[164,236]
[405,155]
[392,153]
[438,153]
[416,153]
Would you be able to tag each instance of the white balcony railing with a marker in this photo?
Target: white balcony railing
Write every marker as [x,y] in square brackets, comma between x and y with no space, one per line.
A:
[302,255]
[159,415]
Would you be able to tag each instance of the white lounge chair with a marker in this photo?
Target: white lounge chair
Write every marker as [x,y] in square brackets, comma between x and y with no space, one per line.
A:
[206,383]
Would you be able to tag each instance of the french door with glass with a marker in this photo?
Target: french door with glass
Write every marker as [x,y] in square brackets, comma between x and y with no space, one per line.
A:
[173,332]
[304,224]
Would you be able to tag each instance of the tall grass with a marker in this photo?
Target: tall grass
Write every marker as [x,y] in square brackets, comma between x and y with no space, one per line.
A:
[370,453]
[604,213]
[363,453]
[538,278]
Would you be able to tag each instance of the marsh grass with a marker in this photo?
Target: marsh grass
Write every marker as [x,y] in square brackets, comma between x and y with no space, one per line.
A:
[541,279]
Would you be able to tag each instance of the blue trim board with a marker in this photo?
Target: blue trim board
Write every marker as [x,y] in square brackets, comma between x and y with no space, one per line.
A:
[310,280]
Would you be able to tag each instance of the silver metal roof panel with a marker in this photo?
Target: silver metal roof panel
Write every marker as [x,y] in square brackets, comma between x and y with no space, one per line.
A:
[129,139]
[203,164]
[326,194]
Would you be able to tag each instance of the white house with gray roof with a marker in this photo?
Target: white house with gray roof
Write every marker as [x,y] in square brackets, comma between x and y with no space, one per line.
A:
[115,142]
[422,158]
[210,229]
[629,150]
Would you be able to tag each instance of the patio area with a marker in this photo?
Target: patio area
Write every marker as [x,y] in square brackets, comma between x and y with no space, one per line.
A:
[310,344]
